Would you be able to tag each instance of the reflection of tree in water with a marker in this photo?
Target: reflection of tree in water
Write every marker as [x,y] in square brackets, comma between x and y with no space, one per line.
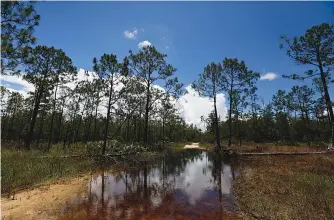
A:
[217,176]
[150,191]
[175,163]
[222,170]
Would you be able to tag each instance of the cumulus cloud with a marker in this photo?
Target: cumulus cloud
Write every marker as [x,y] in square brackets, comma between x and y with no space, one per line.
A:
[131,34]
[18,81]
[269,76]
[82,76]
[17,84]
[192,106]
[144,43]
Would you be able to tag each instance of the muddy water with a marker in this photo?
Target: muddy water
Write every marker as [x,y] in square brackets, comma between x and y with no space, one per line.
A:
[192,184]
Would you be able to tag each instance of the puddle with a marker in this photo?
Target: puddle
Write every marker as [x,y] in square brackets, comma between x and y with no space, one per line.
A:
[191,184]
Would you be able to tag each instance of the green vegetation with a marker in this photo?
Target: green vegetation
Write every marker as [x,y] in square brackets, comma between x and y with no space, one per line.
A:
[18,20]
[179,146]
[207,146]
[20,169]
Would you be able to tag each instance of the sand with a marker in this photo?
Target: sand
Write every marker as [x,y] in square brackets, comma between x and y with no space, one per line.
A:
[193,146]
[42,202]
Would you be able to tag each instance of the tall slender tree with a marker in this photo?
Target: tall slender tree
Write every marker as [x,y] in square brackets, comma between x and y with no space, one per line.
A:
[14,108]
[42,67]
[236,79]
[315,48]
[281,107]
[5,93]
[303,99]
[210,84]
[150,66]
[109,69]
[60,80]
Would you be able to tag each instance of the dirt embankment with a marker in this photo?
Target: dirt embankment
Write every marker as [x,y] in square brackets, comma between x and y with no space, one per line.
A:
[41,202]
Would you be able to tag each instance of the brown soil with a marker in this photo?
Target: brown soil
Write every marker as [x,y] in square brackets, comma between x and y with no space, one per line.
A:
[41,202]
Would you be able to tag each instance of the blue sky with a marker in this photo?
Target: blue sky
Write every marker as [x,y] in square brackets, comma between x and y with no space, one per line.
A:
[196,33]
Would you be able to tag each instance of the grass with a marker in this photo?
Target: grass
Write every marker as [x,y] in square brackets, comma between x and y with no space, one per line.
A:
[253,147]
[274,147]
[21,169]
[207,146]
[294,187]
[179,145]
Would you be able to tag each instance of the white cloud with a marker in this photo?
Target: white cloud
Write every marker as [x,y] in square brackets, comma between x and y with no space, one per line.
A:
[17,84]
[18,80]
[82,76]
[192,106]
[142,29]
[131,35]
[144,43]
[269,76]
[167,47]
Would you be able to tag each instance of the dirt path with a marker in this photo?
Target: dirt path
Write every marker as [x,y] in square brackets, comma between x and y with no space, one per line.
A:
[193,146]
[42,202]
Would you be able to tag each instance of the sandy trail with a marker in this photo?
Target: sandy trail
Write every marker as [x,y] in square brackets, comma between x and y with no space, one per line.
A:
[193,146]
[42,202]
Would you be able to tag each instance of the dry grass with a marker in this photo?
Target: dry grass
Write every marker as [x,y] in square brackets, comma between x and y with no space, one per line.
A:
[271,147]
[293,187]
[207,146]
[263,147]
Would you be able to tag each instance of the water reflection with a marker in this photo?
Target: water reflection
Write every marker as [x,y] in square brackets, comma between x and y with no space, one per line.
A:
[189,184]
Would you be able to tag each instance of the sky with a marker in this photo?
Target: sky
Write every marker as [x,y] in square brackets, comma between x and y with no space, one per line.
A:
[192,34]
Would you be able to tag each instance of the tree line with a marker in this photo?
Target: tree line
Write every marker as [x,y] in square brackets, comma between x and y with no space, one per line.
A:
[302,114]
[136,109]
[121,101]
